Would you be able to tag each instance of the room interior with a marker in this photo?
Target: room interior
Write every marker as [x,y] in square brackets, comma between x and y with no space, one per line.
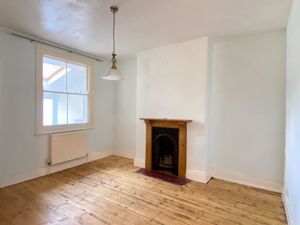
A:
[149,112]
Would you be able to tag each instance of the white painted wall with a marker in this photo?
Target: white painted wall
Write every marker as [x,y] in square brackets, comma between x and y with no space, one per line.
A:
[292,162]
[24,155]
[125,110]
[248,102]
[172,83]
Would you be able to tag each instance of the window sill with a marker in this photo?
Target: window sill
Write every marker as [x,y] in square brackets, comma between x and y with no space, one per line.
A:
[62,129]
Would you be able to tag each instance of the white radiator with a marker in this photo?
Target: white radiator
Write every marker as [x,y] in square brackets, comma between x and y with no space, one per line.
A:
[68,146]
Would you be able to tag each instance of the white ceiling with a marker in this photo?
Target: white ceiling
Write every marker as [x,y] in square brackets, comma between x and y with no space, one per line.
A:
[141,24]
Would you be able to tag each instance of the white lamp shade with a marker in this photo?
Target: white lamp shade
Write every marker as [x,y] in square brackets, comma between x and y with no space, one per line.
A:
[113,74]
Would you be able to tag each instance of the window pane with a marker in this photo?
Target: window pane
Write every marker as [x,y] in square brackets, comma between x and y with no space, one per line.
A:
[54,74]
[77,79]
[48,111]
[77,109]
[54,109]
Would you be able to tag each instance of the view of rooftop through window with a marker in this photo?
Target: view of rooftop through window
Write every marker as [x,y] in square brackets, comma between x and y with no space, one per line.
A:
[65,92]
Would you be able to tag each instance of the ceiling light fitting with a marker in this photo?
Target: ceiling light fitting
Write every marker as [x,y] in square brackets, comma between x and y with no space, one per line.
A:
[113,73]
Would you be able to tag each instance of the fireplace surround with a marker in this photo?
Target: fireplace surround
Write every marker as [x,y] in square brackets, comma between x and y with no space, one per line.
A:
[166,145]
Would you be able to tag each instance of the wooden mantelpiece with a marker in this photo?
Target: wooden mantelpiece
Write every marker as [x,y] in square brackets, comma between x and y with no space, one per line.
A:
[167,123]
[168,120]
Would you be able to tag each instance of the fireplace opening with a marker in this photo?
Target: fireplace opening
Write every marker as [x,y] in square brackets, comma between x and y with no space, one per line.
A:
[165,150]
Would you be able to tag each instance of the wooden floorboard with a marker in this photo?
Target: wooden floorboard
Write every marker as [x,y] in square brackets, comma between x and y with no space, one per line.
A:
[109,191]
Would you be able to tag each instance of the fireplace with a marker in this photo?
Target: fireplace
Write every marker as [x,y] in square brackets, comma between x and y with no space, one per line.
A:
[165,149]
[166,145]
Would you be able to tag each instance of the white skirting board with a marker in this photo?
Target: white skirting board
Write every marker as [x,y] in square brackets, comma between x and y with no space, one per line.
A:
[288,209]
[98,155]
[124,155]
[139,163]
[246,180]
[52,169]
[198,176]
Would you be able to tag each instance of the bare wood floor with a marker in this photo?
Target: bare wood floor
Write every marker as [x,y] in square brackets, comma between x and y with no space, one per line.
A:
[108,191]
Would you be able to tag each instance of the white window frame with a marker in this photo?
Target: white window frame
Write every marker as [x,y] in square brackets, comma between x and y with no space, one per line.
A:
[41,51]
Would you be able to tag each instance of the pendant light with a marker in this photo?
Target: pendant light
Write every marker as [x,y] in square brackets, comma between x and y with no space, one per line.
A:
[113,73]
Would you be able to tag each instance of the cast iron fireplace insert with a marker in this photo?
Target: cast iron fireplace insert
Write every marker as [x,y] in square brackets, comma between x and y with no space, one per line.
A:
[165,149]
